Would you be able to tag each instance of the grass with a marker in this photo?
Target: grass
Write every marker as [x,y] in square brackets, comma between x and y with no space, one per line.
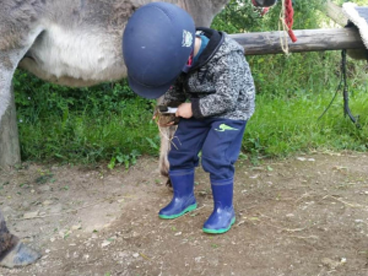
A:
[293,92]
[83,138]
[103,123]
[108,123]
[283,126]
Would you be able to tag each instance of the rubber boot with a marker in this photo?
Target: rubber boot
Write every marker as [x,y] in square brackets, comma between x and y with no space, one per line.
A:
[183,200]
[223,215]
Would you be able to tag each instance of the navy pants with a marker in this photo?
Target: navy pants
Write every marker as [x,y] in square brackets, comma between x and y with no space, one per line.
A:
[219,139]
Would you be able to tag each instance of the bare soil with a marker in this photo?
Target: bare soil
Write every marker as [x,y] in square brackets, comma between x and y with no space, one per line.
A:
[306,215]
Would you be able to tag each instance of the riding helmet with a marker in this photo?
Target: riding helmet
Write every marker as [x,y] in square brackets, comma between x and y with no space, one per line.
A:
[157,42]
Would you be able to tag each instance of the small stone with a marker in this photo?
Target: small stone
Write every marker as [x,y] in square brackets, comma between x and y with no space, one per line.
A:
[198,259]
[30,215]
[136,255]
[76,227]
[331,264]
[105,243]
[45,188]
[46,203]
[25,204]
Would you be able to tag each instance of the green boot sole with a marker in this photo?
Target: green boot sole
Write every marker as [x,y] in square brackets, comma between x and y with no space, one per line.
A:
[186,210]
[219,231]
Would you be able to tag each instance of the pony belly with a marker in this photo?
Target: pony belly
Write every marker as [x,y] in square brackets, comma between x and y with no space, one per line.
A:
[76,58]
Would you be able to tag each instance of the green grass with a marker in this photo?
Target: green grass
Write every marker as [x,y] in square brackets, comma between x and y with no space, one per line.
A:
[284,125]
[102,123]
[86,139]
[109,123]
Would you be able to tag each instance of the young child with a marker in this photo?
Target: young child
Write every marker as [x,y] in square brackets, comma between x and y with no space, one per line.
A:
[205,74]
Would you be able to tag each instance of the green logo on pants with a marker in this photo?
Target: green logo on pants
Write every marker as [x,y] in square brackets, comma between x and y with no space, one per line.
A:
[224,127]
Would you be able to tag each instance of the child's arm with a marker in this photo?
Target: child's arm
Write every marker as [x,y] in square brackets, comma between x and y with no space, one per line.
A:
[232,75]
[174,96]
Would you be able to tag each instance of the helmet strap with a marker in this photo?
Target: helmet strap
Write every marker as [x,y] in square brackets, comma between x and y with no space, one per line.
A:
[189,63]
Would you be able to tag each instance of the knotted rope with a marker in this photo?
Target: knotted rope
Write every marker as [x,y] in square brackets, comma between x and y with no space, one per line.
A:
[287,21]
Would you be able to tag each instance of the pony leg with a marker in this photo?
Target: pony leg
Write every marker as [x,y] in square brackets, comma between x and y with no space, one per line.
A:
[166,135]
[9,141]
[9,144]
[16,37]
[13,252]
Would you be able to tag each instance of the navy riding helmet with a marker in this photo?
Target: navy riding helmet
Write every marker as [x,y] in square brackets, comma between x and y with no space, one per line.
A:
[157,42]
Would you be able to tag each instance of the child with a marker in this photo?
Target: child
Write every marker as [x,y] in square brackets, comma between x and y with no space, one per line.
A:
[204,73]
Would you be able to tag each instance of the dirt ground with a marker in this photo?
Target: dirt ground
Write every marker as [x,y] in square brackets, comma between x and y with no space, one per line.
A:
[306,215]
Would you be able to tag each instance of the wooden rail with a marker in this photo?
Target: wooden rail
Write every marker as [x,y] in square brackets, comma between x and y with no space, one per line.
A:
[308,41]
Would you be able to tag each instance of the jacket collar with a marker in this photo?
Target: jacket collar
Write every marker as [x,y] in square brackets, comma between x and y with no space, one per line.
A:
[216,39]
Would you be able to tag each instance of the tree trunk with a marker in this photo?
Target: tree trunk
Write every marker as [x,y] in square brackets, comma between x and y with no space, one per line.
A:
[308,40]
[9,140]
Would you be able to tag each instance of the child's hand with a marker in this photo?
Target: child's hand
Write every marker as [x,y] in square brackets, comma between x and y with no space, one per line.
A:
[165,120]
[184,111]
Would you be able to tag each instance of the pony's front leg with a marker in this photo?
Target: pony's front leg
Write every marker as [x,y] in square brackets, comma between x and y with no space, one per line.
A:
[9,142]
[166,135]
[17,33]
[13,252]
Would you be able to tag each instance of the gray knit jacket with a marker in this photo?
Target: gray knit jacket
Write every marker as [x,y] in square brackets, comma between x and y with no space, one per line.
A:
[219,84]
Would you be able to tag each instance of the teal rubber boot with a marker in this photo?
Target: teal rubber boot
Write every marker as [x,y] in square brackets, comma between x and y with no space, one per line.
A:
[223,215]
[183,200]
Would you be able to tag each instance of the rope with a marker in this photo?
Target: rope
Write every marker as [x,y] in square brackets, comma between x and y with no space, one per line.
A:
[347,110]
[283,37]
[289,19]
[286,20]
[343,81]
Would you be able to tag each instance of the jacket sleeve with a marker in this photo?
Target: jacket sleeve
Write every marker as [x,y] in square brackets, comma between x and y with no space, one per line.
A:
[228,73]
[175,95]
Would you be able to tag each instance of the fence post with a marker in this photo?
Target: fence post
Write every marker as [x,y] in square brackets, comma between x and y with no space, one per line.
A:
[9,139]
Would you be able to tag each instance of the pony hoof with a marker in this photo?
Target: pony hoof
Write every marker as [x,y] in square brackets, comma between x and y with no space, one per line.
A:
[169,185]
[20,255]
